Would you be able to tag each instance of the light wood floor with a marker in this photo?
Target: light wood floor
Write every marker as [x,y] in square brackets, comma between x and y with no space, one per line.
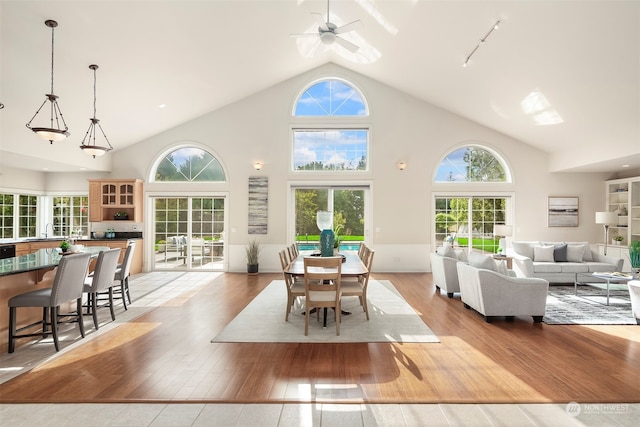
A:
[166,355]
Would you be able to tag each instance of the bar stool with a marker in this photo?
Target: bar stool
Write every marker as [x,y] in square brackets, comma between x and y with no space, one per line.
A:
[67,286]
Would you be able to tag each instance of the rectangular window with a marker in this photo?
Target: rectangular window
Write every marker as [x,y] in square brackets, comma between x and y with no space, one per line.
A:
[6,216]
[70,215]
[27,216]
[469,221]
[330,149]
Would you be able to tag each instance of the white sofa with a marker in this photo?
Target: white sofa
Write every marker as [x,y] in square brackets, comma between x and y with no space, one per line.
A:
[443,269]
[492,293]
[558,262]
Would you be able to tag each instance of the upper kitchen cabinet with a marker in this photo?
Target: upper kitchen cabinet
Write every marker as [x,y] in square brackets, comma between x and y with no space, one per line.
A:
[115,199]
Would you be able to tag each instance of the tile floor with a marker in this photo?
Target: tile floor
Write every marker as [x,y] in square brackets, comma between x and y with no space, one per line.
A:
[156,288]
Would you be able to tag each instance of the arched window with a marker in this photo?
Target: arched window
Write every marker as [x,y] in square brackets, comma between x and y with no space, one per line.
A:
[473,163]
[331,97]
[331,145]
[189,164]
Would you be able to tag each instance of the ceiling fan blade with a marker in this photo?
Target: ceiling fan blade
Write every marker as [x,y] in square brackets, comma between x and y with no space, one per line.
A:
[347,44]
[304,35]
[321,22]
[349,27]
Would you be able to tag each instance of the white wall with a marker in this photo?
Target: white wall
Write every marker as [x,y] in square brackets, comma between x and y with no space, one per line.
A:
[402,128]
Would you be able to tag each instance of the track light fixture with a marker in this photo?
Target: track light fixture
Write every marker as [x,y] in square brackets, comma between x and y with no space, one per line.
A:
[482,40]
[56,131]
[89,145]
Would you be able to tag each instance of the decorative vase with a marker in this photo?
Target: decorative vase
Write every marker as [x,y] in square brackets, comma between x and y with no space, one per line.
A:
[252,269]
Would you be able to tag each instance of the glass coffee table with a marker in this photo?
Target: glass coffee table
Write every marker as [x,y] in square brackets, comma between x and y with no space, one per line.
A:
[602,280]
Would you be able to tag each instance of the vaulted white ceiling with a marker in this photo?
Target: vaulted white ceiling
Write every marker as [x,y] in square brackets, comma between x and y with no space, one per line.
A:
[573,63]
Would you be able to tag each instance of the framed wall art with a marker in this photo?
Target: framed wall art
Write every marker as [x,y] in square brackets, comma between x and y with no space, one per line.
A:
[563,212]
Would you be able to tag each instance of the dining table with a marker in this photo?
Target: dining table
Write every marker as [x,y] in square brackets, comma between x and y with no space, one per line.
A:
[352,266]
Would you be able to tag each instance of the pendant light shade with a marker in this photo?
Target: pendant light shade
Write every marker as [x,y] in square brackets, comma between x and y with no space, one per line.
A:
[57,130]
[89,144]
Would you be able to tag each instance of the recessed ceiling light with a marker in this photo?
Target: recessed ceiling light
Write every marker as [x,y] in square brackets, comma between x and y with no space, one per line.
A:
[162,105]
[626,166]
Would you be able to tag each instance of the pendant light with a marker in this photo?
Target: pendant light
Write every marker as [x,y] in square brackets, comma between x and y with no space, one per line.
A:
[55,132]
[89,141]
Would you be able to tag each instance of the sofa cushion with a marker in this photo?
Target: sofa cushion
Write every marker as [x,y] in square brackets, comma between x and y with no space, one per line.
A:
[502,267]
[547,267]
[595,267]
[574,267]
[560,253]
[524,248]
[479,260]
[543,253]
[575,253]
[447,251]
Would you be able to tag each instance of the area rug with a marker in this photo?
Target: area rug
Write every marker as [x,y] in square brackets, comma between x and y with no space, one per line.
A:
[564,307]
[391,320]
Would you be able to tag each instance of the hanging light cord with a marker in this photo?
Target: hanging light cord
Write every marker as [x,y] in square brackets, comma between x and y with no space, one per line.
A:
[52,46]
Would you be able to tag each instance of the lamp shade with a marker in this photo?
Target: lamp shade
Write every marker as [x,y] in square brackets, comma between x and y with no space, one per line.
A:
[503,230]
[606,218]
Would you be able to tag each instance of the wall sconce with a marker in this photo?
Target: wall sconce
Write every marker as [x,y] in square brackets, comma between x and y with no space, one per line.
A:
[401,165]
[258,166]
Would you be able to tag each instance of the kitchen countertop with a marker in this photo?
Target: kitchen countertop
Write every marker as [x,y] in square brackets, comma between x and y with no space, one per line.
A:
[119,236]
[42,258]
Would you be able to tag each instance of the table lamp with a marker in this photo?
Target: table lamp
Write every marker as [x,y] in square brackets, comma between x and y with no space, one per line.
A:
[503,231]
[606,219]
[324,221]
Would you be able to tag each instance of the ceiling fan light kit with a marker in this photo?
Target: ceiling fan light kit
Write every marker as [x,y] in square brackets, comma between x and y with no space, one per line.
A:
[329,33]
[58,130]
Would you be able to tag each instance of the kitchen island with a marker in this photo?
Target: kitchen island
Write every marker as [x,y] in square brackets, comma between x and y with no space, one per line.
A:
[26,273]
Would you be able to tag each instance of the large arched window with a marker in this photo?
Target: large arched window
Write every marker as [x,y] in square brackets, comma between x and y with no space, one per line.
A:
[189,164]
[473,163]
[331,97]
[332,144]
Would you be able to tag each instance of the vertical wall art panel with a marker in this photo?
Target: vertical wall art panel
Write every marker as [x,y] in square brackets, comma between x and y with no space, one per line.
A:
[258,198]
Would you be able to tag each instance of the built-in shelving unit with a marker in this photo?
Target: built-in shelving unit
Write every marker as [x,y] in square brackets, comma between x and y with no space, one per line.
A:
[623,197]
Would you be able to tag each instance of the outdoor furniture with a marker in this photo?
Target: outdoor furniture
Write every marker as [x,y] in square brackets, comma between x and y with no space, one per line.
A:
[67,286]
[322,279]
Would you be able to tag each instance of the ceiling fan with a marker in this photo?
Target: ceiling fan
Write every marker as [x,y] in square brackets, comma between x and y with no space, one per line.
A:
[328,32]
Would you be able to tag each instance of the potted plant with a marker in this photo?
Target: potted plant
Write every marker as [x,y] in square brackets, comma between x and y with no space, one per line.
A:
[253,253]
[64,246]
[618,240]
[634,258]
[121,215]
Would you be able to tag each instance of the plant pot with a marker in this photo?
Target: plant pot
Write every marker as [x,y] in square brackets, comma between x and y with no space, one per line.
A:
[252,269]
[616,242]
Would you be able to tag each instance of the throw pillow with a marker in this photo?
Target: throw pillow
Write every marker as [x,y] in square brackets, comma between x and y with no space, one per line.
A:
[543,253]
[575,253]
[447,251]
[478,260]
[560,253]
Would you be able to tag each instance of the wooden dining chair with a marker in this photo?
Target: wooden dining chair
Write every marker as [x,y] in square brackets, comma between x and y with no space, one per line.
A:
[358,286]
[295,286]
[322,280]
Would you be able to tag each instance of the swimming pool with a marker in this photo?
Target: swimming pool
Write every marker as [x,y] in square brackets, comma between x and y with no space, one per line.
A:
[311,246]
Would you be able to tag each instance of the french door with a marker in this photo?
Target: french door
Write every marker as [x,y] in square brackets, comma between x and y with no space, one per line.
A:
[189,233]
[350,207]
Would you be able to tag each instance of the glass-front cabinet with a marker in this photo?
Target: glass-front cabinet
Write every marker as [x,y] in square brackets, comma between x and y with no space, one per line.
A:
[623,198]
[111,200]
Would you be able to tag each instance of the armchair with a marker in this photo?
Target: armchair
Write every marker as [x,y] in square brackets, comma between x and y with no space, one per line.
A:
[493,294]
